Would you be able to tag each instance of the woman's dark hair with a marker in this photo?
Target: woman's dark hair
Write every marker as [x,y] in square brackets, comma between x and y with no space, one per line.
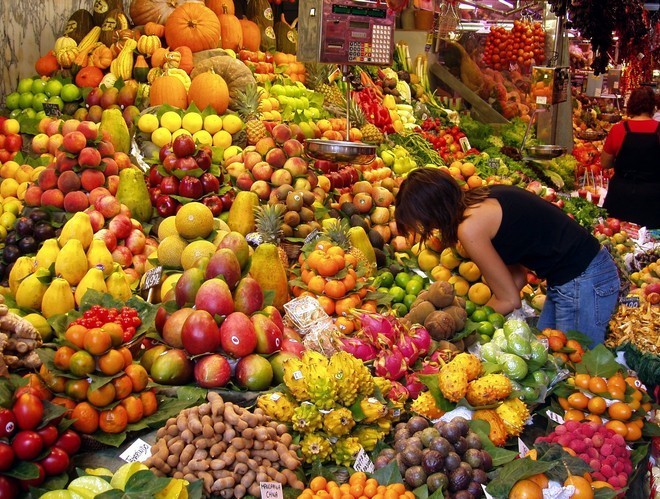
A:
[641,101]
[429,199]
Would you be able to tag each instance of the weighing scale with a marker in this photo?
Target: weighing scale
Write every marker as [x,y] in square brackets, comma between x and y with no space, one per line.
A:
[345,32]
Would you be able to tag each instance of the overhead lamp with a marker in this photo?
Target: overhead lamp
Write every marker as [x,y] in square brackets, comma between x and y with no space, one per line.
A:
[508,4]
[464,6]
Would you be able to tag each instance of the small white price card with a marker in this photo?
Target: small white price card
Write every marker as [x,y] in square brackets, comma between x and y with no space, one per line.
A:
[541,99]
[363,462]
[152,277]
[555,417]
[523,450]
[137,452]
[465,144]
[271,490]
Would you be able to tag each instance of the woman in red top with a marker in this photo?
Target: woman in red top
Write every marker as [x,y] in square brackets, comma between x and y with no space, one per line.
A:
[632,148]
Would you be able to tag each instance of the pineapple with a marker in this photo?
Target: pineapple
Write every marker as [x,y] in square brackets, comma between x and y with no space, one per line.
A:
[370,132]
[317,79]
[247,105]
[338,234]
[268,221]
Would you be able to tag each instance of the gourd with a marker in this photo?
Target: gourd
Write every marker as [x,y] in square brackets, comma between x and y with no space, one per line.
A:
[231,36]
[115,21]
[101,57]
[79,24]
[221,7]
[140,69]
[64,42]
[103,7]
[209,89]
[152,28]
[147,44]
[262,14]
[168,90]
[47,64]
[66,57]
[158,57]
[122,66]
[186,62]
[236,75]
[157,11]
[251,35]
[90,40]
[286,36]
[108,81]
[193,25]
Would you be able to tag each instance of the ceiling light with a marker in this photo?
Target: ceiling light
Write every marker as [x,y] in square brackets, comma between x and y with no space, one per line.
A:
[464,6]
[508,4]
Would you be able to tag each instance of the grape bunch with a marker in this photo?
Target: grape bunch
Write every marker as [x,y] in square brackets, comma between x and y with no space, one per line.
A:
[642,260]
[126,317]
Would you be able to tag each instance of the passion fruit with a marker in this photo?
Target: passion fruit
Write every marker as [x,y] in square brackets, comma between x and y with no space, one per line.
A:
[479,476]
[461,445]
[437,481]
[473,458]
[402,434]
[462,424]
[441,445]
[473,440]
[427,435]
[452,461]
[411,456]
[459,479]
[432,462]
[486,460]
[417,423]
[451,432]
[415,477]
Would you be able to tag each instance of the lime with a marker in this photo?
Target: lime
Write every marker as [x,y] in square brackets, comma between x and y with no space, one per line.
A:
[400,309]
[414,287]
[401,279]
[398,293]
[486,328]
[386,279]
[489,310]
[470,307]
[38,101]
[417,277]
[12,101]
[70,92]
[479,315]
[383,289]
[25,85]
[55,99]
[496,320]
[25,100]
[53,87]
[408,300]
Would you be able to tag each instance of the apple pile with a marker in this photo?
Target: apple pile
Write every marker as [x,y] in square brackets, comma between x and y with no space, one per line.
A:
[10,140]
[99,99]
[612,235]
[547,193]
[185,171]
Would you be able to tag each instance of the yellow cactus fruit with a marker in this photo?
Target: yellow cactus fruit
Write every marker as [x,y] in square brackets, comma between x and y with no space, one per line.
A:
[468,363]
[498,433]
[514,413]
[453,383]
[488,389]
[424,405]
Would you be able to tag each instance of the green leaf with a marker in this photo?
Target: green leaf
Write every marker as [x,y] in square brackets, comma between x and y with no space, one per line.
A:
[423,493]
[499,455]
[269,296]
[517,469]
[23,471]
[47,356]
[51,412]
[99,381]
[598,362]
[607,493]
[581,338]
[639,453]
[6,393]
[56,482]
[195,489]
[431,381]
[110,494]
[565,463]
[145,483]
[650,429]
[388,474]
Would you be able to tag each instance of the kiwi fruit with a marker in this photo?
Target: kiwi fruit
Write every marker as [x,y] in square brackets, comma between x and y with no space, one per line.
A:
[308,197]
[440,325]
[287,230]
[306,214]
[292,218]
[283,191]
[302,230]
[294,201]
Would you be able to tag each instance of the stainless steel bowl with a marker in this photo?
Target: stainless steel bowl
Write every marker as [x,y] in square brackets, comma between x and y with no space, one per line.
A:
[591,134]
[545,151]
[340,151]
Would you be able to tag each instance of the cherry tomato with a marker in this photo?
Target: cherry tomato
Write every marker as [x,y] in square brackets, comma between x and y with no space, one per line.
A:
[56,462]
[35,482]
[7,423]
[6,456]
[48,434]
[27,445]
[29,411]
[69,442]
[8,487]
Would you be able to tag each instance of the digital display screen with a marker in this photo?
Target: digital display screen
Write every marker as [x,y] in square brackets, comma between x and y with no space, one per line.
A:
[359,11]
[359,25]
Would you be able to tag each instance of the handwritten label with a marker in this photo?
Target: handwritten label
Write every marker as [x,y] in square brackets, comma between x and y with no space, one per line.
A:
[137,452]
[52,109]
[523,450]
[271,490]
[465,144]
[152,277]
[493,163]
[630,301]
[311,236]
[541,99]
[555,417]
[363,462]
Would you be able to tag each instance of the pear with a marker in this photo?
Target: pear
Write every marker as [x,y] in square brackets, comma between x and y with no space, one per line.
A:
[23,267]
[47,255]
[71,262]
[93,280]
[118,286]
[31,290]
[99,256]
[78,227]
[58,298]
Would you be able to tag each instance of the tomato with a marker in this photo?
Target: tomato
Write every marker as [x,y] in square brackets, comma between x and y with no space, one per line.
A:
[27,445]
[6,456]
[8,487]
[7,423]
[35,482]
[56,462]
[48,434]
[29,411]
[69,442]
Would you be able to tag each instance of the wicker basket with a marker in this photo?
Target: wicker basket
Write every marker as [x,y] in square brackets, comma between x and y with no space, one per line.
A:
[292,250]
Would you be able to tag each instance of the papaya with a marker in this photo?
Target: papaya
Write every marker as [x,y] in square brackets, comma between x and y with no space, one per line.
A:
[267,269]
[113,122]
[133,192]
[241,213]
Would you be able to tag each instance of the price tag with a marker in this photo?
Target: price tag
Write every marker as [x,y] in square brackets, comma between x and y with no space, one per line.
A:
[597,92]
[615,85]
[311,236]
[298,375]
[523,450]
[630,301]
[420,273]
[152,277]
[52,109]
[271,490]
[137,452]
[493,163]
[363,462]
[465,144]
[555,417]
[541,99]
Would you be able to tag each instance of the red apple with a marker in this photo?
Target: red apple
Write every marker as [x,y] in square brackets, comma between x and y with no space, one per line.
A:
[170,185]
[191,187]
[108,237]
[186,164]
[183,145]
[120,226]
[210,182]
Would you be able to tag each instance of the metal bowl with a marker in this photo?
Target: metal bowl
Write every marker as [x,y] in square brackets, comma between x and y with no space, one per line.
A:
[610,117]
[545,151]
[340,151]
[591,134]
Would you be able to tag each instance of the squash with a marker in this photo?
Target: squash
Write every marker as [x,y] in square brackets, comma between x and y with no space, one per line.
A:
[152,28]
[103,7]
[186,62]
[115,21]
[221,7]
[158,58]
[64,42]
[120,38]
[140,69]
[286,36]
[79,24]
[209,89]
[65,57]
[89,76]
[168,90]
[81,61]
[157,11]
[261,13]
[147,44]
[193,25]
[108,81]
[101,57]
[235,74]
[47,64]
[231,36]
[251,35]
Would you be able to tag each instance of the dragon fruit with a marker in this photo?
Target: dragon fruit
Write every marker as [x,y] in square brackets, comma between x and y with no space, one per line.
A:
[408,348]
[398,393]
[421,338]
[358,348]
[390,364]
[414,385]
[378,328]
[429,367]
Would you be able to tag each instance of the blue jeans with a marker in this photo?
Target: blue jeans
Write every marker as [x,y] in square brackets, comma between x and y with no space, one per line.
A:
[586,303]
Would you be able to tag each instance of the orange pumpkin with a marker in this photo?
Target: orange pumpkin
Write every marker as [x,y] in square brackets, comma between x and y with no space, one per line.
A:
[186,62]
[209,89]
[194,25]
[158,58]
[154,29]
[168,90]
[47,64]
[144,11]
[221,6]
[89,76]
[231,32]
[251,35]
[101,57]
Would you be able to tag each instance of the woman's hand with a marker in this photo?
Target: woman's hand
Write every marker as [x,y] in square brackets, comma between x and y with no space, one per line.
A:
[607,160]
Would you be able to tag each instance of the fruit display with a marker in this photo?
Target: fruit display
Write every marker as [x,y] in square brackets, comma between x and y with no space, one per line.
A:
[357,483]
[11,141]
[31,94]
[523,45]
[440,311]
[19,341]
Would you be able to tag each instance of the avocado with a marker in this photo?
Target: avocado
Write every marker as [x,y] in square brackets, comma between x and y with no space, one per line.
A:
[381,257]
[348,208]
[358,221]
[376,239]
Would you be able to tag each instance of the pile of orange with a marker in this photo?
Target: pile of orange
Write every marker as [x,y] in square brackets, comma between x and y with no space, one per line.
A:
[329,274]
[358,487]
[561,346]
[613,401]
[98,352]
[532,487]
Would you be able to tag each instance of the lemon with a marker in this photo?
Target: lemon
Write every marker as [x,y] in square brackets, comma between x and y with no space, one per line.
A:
[194,220]
[161,137]
[180,131]
[12,206]
[171,120]
[8,187]
[125,472]
[169,283]
[192,122]
[3,233]
[213,123]
[196,250]
[232,123]
[40,324]
[89,487]
[147,123]
[169,251]
[7,220]
[167,228]
[203,137]
[222,139]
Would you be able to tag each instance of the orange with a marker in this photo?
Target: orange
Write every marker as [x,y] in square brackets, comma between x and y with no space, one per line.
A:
[595,418]
[345,325]
[138,375]
[573,415]
[123,387]
[323,245]
[81,363]
[599,484]
[597,385]
[327,266]
[102,396]
[77,389]
[97,341]
[314,258]
[617,393]
[397,487]
[583,488]
[62,358]
[617,381]
[578,400]
[111,363]
[526,489]
[634,432]
[86,418]
[391,494]
[113,420]
[618,427]
[350,280]
[128,356]
[335,289]
[65,402]
[316,285]
[582,381]
[339,260]
[149,402]
[76,335]
[637,395]
[350,260]
[620,411]
[597,405]
[327,304]
[564,403]
[306,276]
[335,250]
[115,331]
[343,306]
[318,483]
[357,478]
[540,479]
[369,306]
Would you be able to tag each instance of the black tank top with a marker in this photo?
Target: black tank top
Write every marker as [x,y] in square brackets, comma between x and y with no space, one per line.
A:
[539,235]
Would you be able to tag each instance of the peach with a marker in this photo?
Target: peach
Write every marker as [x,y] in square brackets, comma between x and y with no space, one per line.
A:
[136,241]
[108,205]
[264,145]
[75,201]
[43,124]
[276,157]
[122,159]
[95,217]
[106,148]
[293,147]
[70,126]
[47,179]
[97,193]
[281,133]
[302,184]
[55,143]
[112,183]
[95,113]
[124,210]
[65,163]
[296,166]
[68,181]
[89,129]
[40,143]
[262,171]
[54,126]
[33,196]
[52,197]
[89,157]
[108,238]
[110,167]
[281,177]
[251,158]
[123,256]
[91,179]
[244,181]
[136,224]
[121,226]
[261,188]
[74,141]
[236,168]
[139,262]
